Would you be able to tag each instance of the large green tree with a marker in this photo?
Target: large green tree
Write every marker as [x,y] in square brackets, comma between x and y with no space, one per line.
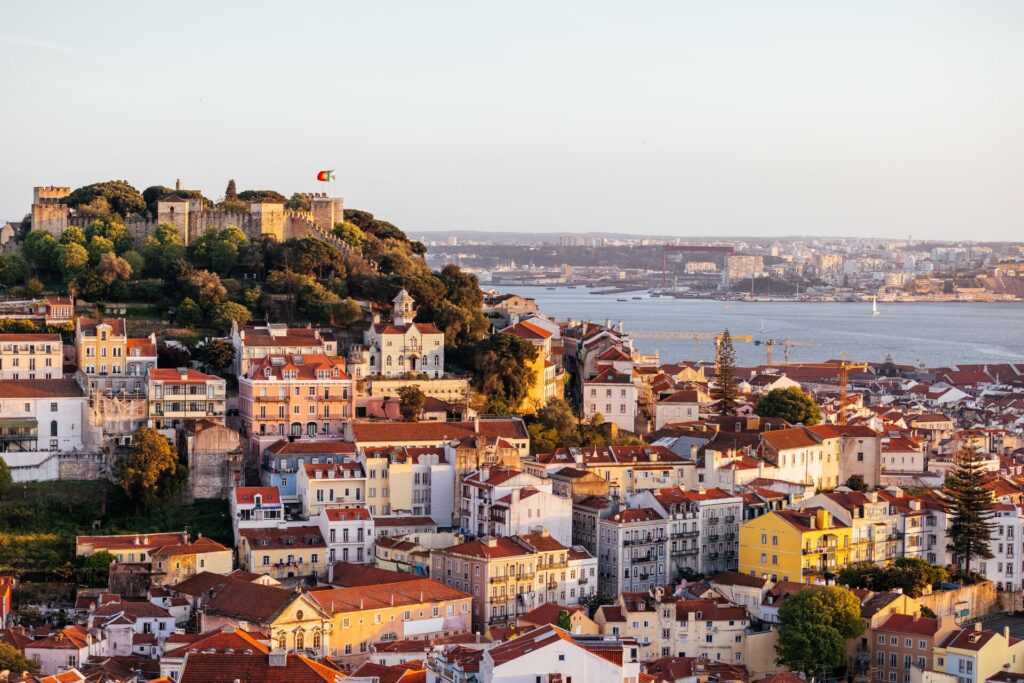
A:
[147,472]
[814,626]
[113,199]
[791,404]
[912,575]
[11,659]
[501,371]
[970,506]
[94,570]
[725,392]
[410,402]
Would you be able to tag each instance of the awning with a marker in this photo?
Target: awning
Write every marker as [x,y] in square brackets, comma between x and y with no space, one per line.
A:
[18,422]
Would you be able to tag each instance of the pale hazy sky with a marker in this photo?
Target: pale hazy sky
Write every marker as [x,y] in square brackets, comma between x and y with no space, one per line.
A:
[818,117]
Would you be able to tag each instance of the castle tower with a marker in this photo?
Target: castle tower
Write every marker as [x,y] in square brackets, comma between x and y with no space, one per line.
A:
[269,215]
[48,213]
[404,310]
[327,211]
[175,210]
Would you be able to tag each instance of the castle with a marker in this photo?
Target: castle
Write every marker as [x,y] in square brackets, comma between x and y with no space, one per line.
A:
[192,219]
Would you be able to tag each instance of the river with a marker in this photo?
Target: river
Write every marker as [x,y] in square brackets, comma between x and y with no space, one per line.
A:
[935,334]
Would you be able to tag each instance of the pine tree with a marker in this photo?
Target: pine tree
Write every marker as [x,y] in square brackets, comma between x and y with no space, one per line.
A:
[970,505]
[231,193]
[725,390]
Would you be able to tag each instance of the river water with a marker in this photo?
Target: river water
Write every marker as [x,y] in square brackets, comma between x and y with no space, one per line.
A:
[935,334]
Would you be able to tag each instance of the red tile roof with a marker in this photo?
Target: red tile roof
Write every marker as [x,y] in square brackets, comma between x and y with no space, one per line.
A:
[40,388]
[357,598]
[398,432]
[200,667]
[175,376]
[246,495]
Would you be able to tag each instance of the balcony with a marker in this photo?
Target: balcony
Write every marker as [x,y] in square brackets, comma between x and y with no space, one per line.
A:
[713,537]
[583,581]
[729,519]
[816,550]
[685,534]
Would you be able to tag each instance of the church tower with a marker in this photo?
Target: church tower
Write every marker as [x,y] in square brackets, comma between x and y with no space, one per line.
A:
[404,310]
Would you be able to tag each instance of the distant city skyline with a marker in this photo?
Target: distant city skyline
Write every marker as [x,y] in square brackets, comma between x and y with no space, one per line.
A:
[740,119]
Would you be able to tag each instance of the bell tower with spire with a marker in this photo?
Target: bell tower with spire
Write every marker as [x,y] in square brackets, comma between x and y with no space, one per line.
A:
[404,309]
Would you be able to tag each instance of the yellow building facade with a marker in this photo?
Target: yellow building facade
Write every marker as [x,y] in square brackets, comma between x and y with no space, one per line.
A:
[805,546]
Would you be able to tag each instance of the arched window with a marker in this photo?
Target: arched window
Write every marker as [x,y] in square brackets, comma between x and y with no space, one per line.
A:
[316,640]
[311,428]
[389,360]
[296,429]
[53,428]
[373,360]
[401,360]
[282,641]
[300,639]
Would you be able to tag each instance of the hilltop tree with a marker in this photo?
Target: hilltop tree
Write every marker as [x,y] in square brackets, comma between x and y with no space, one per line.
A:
[257,195]
[188,313]
[411,400]
[814,626]
[970,533]
[147,472]
[113,199]
[231,193]
[40,249]
[791,404]
[725,391]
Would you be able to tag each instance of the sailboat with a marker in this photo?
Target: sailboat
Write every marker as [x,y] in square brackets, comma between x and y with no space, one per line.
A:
[874,305]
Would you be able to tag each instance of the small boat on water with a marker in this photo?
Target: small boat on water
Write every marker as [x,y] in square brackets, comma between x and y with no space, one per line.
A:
[551,289]
[622,299]
[874,305]
[572,286]
[636,298]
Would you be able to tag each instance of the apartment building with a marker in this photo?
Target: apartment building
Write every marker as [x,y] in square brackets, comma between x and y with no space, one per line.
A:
[281,461]
[294,395]
[349,533]
[557,653]
[289,554]
[703,526]
[497,501]
[388,607]
[38,419]
[255,507]
[180,396]
[664,626]
[614,395]
[330,485]
[802,546]
[31,356]
[113,362]
[512,575]
[901,643]
[874,525]
[411,481]
[633,551]
[975,655]
[257,342]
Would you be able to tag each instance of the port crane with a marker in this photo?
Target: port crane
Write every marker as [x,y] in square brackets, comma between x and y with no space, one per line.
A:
[786,344]
[844,368]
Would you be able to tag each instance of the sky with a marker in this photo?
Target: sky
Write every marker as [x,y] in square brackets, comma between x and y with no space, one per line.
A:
[817,117]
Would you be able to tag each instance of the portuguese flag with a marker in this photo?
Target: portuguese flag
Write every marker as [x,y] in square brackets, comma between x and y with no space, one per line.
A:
[324,176]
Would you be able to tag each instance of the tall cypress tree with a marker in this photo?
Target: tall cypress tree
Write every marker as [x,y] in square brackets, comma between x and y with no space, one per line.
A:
[231,193]
[725,390]
[970,505]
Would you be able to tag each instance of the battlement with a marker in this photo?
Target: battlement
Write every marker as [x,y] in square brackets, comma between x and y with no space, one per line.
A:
[49,194]
[313,195]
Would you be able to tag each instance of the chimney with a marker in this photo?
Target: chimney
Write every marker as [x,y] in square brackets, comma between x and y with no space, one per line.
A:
[620,327]
[278,658]
[822,517]
[693,452]
[608,323]
[476,424]
[1006,633]
[977,626]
